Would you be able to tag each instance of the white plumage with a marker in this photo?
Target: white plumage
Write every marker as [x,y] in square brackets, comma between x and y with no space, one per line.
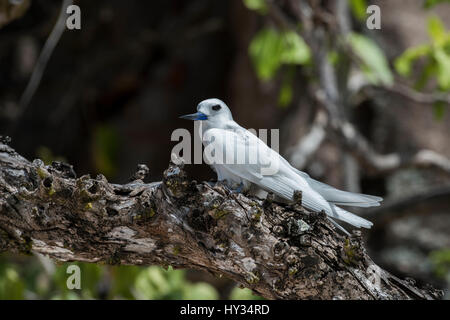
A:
[241,159]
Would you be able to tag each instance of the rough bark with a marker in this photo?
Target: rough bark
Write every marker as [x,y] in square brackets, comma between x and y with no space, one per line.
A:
[279,251]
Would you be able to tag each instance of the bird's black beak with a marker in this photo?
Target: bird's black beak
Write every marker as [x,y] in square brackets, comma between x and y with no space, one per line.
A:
[195,116]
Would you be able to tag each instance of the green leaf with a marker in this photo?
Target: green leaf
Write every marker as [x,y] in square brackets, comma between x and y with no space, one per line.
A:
[243,294]
[403,64]
[431,3]
[269,49]
[441,262]
[358,8]
[374,63]
[294,49]
[443,68]
[286,91]
[11,285]
[257,5]
[200,291]
[428,71]
[436,30]
[152,283]
[285,95]
[122,276]
[438,53]
[265,51]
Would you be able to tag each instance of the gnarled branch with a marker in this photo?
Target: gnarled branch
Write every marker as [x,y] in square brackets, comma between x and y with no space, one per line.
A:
[279,251]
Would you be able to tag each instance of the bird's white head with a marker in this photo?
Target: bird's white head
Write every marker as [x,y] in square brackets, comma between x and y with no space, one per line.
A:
[214,112]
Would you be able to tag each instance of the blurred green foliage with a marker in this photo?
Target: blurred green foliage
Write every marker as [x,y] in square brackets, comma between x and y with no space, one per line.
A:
[431,3]
[243,294]
[45,154]
[441,263]
[271,48]
[373,64]
[257,5]
[436,56]
[105,149]
[286,91]
[11,286]
[26,278]
[358,8]
[435,61]
[157,283]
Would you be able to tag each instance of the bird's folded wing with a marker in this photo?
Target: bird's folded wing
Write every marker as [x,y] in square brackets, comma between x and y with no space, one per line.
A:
[283,182]
[288,179]
[235,148]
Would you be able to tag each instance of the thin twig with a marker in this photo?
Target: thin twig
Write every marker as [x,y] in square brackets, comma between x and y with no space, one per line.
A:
[301,153]
[43,59]
[416,96]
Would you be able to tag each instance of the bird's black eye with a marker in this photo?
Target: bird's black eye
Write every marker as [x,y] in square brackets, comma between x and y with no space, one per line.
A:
[216,107]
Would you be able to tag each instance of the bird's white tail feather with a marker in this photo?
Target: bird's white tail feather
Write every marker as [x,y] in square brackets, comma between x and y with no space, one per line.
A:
[336,196]
[285,187]
[339,226]
[350,218]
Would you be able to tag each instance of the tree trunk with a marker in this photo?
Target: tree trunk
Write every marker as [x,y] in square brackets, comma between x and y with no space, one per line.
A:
[279,251]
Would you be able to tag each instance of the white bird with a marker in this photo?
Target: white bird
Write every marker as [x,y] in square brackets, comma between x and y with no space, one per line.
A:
[232,150]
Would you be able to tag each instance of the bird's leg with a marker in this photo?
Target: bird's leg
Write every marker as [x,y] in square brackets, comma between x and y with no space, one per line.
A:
[239,188]
[232,188]
[225,185]
[211,183]
[221,183]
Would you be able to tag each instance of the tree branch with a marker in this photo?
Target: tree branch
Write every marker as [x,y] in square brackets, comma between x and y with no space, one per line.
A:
[43,59]
[351,139]
[279,251]
[414,95]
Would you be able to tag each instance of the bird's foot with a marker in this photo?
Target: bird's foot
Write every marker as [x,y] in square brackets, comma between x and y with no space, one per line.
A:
[239,189]
[220,183]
